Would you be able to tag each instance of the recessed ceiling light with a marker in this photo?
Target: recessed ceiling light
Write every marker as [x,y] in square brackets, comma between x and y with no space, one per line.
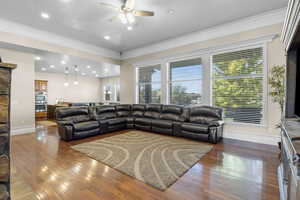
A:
[97,75]
[107,37]
[129,28]
[171,11]
[37,58]
[88,66]
[76,82]
[44,69]
[94,72]
[66,84]
[83,74]
[45,15]
[63,62]
[52,66]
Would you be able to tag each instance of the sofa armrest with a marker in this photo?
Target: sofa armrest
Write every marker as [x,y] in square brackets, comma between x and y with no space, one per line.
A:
[216,131]
[216,123]
[66,132]
[65,123]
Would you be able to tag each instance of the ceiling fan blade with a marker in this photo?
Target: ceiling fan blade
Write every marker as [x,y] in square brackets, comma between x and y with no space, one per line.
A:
[109,6]
[143,13]
[129,4]
[113,19]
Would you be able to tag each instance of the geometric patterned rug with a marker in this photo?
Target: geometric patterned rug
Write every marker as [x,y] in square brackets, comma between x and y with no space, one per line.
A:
[154,159]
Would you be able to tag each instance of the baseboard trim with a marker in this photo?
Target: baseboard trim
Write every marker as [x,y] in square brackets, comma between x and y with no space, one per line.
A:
[257,138]
[21,131]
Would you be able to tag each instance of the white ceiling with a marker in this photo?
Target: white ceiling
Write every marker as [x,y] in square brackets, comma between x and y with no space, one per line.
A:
[52,62]
[48,59]
[85,21]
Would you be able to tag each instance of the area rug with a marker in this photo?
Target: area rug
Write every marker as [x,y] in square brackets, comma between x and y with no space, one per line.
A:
[155,159]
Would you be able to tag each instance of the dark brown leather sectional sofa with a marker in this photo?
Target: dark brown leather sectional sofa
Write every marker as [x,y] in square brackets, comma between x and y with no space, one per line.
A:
[201,122]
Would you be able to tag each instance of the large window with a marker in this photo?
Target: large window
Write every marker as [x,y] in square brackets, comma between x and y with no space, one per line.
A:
[238,85]
[185,82]
[149,84]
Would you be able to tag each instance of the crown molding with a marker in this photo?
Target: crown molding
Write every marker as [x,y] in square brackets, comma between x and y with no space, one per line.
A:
[245,24]
[27,31]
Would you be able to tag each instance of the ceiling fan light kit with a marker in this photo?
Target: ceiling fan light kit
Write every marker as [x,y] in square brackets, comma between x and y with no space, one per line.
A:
[127,13]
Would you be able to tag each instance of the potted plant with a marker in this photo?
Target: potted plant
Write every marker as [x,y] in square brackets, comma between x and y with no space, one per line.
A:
[277,84]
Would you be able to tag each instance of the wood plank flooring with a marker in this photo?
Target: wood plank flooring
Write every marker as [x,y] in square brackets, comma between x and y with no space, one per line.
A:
[233,170]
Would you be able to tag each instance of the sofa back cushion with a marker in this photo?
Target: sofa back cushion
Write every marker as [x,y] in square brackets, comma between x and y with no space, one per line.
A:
[205,114]
[138,110]
[73,114]
[153,111]
[123,110]
[105,112]
[171,112]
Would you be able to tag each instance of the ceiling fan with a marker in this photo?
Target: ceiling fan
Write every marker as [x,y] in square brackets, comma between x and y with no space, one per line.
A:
[127,13]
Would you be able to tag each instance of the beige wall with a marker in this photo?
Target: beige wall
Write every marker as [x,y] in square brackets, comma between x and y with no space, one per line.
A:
[88,89]
[22,91]
[275,56]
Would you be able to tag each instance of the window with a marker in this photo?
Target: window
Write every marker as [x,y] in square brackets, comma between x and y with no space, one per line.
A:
[149,84]
[238,85]
[108,93]
[112,93]
[185,82]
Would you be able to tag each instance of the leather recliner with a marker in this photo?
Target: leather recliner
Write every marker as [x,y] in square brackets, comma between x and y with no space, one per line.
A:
[169,115]
[152,112]
[201,122]
[76,123]
[124,111]
[108,119]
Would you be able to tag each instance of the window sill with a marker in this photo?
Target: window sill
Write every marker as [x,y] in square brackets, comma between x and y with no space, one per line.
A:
[246,124]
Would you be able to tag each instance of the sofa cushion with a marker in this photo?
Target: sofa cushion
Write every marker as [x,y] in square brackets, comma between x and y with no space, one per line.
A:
[162,123]
[153,111]
[85,126]
[78,119]
[71,111]
[138,110]
[143,121]
[123,110]
[117,121]
[105,112]
[130,120]
[113,121]
[195,128]
[171,112]
[204,114]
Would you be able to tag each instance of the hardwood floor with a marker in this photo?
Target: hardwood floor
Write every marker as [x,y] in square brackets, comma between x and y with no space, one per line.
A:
[232,170]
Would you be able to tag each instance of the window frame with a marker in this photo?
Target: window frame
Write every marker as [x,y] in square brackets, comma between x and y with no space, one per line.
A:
[137,68]
[264,76]
[168,78]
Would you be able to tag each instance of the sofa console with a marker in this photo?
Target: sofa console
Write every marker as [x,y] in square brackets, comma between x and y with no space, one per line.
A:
[200,122]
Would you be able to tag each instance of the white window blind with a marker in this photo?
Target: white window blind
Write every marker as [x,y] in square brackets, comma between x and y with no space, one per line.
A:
[185,82]
[238,85]
[149,84]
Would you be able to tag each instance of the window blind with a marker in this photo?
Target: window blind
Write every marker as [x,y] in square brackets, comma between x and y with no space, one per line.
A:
[185,82]
[238,85]
[149,84]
